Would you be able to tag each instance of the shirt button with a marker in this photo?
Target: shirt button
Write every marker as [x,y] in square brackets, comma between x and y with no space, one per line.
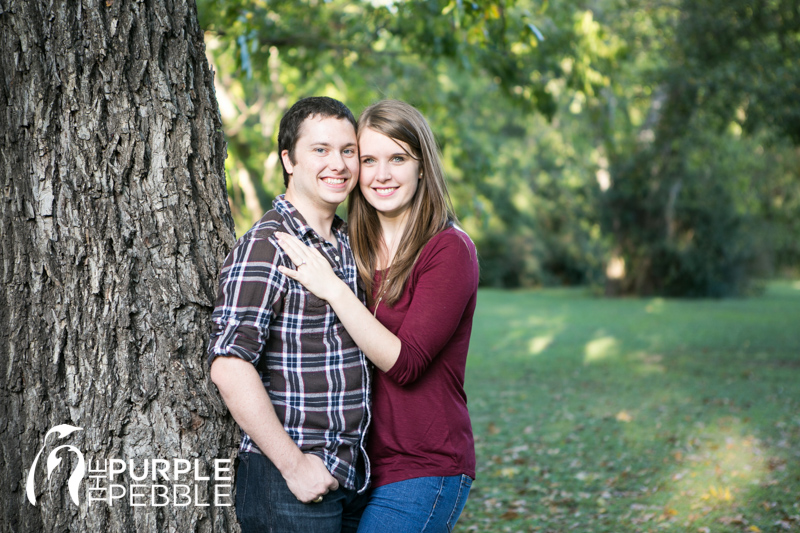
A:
[337,258]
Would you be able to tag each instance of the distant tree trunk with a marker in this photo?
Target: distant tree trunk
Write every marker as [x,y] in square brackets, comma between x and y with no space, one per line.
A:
[114,223]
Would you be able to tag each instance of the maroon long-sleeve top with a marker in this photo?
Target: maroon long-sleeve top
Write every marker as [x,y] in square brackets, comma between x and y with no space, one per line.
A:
[420,424]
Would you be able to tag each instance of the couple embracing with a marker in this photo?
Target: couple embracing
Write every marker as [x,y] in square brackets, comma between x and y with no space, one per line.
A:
[322,331]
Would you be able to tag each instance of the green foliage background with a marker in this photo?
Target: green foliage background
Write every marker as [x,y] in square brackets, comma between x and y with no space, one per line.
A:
[645,147]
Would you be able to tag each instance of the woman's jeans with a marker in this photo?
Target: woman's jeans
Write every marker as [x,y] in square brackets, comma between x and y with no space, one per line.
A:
[429,504]
[264,503]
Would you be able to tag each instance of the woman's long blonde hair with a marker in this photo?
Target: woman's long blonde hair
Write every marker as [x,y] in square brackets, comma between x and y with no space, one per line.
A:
[431,208]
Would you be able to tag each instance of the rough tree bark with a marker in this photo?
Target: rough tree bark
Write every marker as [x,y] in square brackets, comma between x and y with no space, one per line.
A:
[114,222]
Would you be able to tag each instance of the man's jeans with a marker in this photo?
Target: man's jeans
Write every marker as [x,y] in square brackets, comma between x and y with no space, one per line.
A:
[423,504]
[264,503]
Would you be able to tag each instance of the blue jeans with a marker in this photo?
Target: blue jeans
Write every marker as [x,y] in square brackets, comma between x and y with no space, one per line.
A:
[429,504]
[265,504]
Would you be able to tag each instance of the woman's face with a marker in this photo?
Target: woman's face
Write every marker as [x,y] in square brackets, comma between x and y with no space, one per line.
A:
[389,175]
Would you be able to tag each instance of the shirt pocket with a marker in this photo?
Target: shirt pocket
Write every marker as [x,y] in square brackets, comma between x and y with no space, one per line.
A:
[315,306]
[319,320]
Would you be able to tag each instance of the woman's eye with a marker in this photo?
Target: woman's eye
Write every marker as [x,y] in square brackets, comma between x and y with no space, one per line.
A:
[367,160]
[398,159]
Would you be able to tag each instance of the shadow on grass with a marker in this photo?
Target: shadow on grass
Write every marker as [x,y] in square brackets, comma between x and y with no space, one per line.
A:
[635,414]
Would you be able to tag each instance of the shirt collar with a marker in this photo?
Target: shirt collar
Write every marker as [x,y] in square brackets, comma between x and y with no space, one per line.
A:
[295,220]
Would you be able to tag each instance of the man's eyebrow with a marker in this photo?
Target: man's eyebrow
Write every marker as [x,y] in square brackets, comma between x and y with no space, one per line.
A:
[329,145]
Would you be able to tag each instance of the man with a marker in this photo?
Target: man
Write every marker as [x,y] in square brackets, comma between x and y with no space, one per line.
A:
[290,374]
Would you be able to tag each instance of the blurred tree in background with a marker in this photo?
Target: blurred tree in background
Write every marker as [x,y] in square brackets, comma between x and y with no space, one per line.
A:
[648,147]
[698,185]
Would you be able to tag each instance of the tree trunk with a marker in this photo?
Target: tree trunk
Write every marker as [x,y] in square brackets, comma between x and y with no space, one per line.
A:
[114,223]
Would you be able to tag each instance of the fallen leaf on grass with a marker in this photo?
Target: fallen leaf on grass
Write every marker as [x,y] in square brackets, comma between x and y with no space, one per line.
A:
[721,494]
[624,416]
[509,515]
[644,518]
[776,463]
[508,472]
[728,520]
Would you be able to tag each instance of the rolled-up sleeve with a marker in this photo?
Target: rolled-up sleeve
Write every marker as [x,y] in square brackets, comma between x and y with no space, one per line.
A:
[445,281]
[250,287]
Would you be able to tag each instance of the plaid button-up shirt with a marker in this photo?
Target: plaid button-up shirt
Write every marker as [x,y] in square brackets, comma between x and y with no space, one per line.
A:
[316,377]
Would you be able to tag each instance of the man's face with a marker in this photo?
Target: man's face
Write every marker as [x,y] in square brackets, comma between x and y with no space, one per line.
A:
[325,167]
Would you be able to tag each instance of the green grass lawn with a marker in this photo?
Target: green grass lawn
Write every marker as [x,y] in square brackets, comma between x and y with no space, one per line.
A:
[615,415]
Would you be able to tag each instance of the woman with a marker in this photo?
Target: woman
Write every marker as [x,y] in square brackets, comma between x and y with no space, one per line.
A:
[421,274]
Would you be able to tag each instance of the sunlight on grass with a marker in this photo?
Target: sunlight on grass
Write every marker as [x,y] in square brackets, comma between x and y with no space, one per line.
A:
[600,349]
[540,343]
[716,471]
